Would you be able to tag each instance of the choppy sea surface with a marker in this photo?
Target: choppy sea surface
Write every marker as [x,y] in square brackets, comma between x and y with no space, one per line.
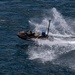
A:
[42,57]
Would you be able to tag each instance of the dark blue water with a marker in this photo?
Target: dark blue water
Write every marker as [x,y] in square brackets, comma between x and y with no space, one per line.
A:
[14,52]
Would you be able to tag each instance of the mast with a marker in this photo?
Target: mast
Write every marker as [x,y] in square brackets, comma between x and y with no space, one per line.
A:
[48,27]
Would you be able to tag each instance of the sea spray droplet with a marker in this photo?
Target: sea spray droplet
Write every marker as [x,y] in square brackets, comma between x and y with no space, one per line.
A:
[60,23]
[48,50]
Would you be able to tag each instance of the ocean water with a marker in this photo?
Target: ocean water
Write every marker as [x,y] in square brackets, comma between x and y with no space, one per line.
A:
[43,57]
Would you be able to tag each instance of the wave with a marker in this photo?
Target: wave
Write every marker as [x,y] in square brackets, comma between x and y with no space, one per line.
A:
[50,50]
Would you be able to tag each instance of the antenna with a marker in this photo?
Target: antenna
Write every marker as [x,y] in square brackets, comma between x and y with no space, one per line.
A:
[48,27]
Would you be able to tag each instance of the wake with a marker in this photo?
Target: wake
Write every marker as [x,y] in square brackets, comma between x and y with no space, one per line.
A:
[50,50]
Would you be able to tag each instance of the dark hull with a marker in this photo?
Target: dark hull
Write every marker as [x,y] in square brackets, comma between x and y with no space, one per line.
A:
[27,37]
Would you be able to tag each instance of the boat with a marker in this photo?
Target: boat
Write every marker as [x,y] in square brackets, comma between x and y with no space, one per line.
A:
[29,35]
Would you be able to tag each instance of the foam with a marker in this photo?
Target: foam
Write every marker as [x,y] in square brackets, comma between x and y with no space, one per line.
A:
[49,50]
[39,53]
